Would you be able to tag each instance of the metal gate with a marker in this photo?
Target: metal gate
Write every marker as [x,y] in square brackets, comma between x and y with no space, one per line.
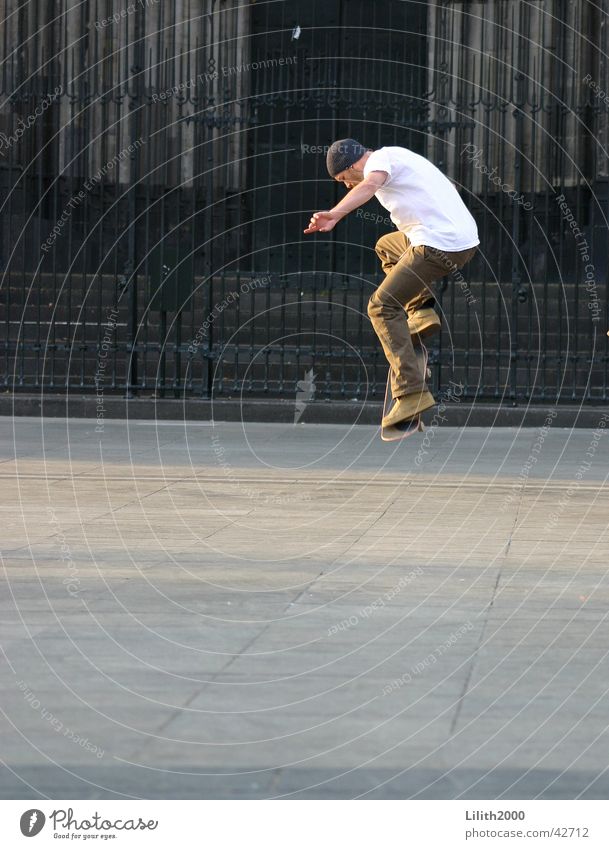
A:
[159,161]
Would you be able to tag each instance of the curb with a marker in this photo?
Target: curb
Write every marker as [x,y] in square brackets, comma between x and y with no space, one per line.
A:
[316,412]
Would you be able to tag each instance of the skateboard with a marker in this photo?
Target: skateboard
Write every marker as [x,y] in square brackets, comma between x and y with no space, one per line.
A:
[403,429]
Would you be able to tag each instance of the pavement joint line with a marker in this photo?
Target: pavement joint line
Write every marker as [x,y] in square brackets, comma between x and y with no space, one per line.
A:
[485,621]
[330,569]
[520,493]
[109,513]
[177,713]
[473,485]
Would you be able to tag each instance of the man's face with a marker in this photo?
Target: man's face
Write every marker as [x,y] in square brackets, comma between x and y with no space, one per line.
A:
[351,176]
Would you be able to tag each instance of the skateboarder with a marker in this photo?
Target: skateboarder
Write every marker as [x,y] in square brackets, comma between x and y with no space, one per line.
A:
[436,235]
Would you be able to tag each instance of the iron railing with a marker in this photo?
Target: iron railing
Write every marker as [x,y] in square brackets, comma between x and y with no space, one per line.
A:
[157,173]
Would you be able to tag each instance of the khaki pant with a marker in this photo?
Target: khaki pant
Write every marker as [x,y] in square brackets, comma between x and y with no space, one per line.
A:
[406,288]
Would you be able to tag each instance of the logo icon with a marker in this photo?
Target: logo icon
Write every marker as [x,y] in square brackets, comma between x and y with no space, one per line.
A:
[32,822]
[305,393]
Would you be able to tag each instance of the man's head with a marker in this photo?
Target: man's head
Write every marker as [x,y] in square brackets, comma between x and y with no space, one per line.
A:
[345,161]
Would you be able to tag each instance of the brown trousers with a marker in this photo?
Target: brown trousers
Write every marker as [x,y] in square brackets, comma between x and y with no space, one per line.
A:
[410,272]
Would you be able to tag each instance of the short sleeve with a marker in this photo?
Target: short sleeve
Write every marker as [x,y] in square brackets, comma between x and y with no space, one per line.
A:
[378,161]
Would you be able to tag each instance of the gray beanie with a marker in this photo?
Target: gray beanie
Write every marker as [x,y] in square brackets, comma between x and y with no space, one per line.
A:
[342,154]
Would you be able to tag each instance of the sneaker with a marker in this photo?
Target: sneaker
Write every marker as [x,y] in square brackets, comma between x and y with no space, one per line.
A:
[423,323]
[408,406]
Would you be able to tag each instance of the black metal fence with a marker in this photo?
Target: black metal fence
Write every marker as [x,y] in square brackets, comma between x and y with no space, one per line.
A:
[157,173]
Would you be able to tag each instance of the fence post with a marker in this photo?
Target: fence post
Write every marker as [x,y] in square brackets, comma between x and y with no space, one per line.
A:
[519,294]
[134,96]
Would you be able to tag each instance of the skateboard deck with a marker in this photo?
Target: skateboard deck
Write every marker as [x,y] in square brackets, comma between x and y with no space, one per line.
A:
[407,428]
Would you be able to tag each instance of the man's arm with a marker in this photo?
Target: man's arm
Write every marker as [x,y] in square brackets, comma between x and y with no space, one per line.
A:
[323,222]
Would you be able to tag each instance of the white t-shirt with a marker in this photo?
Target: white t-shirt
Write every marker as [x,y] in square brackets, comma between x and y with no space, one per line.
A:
[422,202]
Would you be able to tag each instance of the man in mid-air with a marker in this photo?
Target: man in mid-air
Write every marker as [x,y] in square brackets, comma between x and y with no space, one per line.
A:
[436,235]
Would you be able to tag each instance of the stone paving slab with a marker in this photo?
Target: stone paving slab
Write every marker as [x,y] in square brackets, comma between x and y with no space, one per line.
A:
[263,610]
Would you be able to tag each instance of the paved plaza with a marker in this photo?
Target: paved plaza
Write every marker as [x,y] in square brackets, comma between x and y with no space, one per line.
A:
[302,611]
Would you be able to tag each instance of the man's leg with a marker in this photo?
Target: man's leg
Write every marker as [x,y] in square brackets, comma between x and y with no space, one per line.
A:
[389,249]
[423,320]
[409,277]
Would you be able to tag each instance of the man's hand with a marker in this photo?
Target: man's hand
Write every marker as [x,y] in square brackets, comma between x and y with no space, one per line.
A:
[322,222]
